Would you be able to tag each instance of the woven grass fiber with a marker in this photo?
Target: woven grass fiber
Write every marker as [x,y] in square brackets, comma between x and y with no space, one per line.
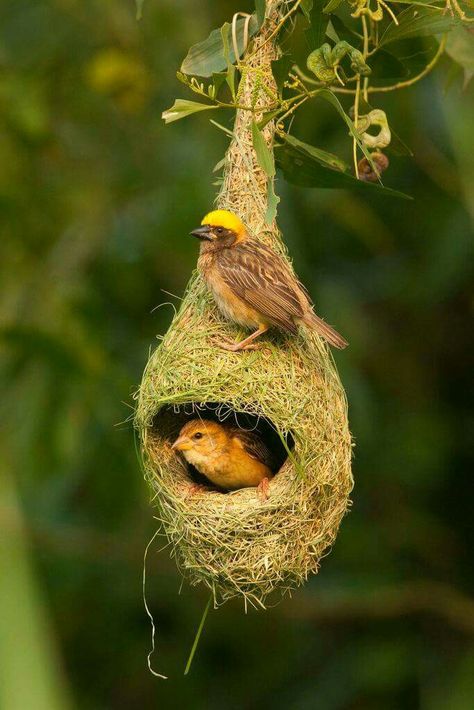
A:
[235,543]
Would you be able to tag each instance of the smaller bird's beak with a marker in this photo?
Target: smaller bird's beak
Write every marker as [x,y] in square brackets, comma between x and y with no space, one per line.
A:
[203,232]
[182,443]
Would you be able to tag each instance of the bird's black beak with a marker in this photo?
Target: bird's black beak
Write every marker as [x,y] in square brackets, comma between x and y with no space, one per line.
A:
[203,232]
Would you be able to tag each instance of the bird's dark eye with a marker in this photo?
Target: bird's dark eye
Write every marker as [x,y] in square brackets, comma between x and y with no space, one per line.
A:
[219,230]
[197,435]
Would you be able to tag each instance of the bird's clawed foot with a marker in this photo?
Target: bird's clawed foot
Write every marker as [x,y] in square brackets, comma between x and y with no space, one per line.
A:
[237,347]
[262,490]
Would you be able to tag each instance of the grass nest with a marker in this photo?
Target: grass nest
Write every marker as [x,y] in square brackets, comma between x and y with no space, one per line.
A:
[289,390]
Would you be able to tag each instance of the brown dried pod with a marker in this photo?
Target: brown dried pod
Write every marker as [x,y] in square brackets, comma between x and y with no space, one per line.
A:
[366,172]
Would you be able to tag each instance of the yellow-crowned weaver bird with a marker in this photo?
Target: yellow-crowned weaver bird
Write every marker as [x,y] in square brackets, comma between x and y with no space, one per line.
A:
[252,284]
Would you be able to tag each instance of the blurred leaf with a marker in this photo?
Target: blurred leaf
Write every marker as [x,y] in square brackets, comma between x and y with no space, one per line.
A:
[260,10]
[460,47]
[207,57]
[316,32]
[26,635]
[182,108]
[263,152]
[387,67]
[417,23]
[301,167]
[306,7]
[139,4]
[331,6]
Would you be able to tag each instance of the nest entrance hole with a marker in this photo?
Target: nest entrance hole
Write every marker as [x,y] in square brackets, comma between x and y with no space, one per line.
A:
[168,422]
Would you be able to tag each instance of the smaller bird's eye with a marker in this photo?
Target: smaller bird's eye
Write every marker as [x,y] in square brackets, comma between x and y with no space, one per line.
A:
[197,435]
[219,230]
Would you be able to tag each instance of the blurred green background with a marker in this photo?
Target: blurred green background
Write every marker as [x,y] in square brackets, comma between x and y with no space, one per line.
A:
[97,198]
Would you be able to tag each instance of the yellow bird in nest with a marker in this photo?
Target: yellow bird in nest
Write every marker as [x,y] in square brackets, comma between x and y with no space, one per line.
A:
[229,457]
[252,285]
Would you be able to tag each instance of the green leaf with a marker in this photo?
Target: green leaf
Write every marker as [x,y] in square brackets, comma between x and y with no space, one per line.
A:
[263,152]
[301,168]
[207,57]
[272,201]
[280,69]
[387,67]
[260,10]
[316,33]
[306,7]
[322,156]
[460,47]
[139,4]
[331,6]
[343,31]
[414,22]
[182,108]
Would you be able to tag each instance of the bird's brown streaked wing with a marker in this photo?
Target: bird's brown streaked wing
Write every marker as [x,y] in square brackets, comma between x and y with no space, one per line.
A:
[254,446]
[262,279]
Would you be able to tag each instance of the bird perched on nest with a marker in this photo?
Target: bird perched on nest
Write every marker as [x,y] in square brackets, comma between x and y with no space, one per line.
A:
[252,284]
[228,456]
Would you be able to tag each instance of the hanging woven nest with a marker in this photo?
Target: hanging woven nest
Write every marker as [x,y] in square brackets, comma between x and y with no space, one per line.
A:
[288,390]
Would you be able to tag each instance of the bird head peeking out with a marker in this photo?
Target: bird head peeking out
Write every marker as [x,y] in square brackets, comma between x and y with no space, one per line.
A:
[200,441]
[220,229]
[229,457]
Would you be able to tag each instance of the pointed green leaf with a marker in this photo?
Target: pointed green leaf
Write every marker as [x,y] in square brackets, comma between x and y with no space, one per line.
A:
[301,168]
[207,57]
[182,108]
[272,201]
[322,156]
[263,152]
[417,22]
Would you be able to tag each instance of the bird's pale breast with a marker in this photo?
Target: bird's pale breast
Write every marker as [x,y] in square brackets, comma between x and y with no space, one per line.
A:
[231,306]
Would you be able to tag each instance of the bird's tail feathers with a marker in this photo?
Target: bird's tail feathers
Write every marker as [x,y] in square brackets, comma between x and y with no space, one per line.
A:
[325,330]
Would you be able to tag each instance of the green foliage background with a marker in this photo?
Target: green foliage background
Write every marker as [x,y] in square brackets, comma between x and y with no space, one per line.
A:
[97,198]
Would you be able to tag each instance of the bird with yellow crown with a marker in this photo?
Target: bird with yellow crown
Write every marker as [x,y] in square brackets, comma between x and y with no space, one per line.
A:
[252,285]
